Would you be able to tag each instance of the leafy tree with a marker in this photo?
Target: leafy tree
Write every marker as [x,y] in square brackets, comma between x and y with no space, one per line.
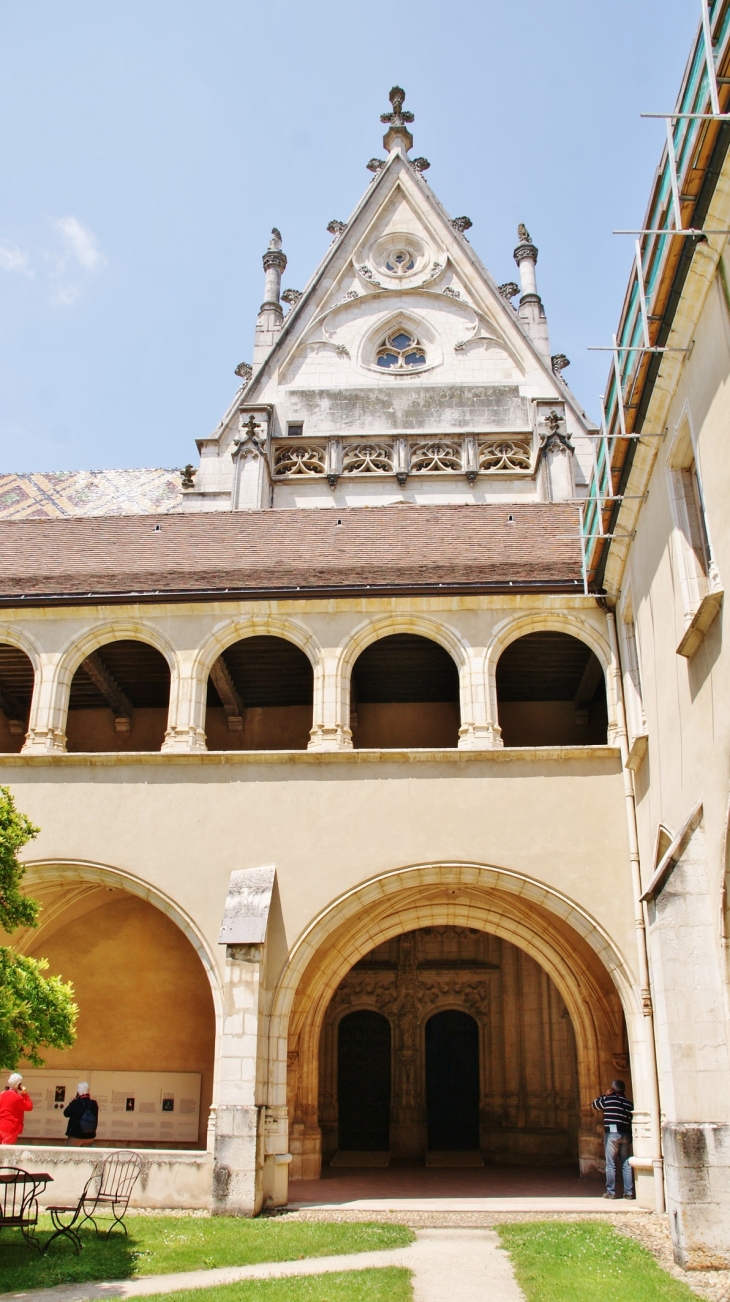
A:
[36,1011]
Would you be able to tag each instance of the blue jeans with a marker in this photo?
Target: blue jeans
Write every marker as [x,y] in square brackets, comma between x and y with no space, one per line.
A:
[618,1149]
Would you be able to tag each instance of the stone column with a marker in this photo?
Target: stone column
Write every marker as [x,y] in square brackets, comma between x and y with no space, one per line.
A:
[238,1151]
[46,733]
[330,714]
[186,716]
[531,311]
[478,731]
[271,315]
[250,1154]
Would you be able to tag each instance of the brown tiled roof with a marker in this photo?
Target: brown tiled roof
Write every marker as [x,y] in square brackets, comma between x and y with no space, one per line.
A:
[292,552]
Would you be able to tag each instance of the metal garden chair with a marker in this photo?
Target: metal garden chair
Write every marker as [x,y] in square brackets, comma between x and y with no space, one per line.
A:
[19,1201]
[109,1188]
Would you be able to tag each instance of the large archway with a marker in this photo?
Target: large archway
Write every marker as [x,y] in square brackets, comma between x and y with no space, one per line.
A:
[482,1047]
[563,942]
[133,969]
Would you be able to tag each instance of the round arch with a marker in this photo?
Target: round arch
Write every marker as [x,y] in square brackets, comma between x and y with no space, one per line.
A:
[22,641]
[372,630]
[49,872]
[511,630]
[115,630]
[236,630]
[590,974]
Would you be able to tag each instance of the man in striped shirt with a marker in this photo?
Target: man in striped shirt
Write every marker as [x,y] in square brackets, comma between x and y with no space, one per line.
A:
[617,1113]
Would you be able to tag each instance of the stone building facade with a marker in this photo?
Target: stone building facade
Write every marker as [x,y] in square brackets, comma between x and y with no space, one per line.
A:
[340,750]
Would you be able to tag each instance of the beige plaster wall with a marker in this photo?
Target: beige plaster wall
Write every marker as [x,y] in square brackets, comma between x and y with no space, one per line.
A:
[182,823]
[686,702]
[144,1000]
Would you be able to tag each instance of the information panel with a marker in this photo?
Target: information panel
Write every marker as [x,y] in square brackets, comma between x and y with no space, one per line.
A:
[134,1106]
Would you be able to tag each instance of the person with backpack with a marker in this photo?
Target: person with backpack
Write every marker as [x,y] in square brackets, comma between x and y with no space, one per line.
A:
[83,1117]
[14,1103]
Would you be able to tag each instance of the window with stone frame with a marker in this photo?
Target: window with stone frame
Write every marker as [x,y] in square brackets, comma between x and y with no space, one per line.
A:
[694,552]
[400,351]
[633,692]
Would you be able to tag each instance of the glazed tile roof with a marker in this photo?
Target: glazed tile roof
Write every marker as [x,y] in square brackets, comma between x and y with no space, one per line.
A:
[292,553]
[64,493]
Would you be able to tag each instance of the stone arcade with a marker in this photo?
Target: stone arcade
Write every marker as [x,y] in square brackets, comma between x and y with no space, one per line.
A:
[328,742]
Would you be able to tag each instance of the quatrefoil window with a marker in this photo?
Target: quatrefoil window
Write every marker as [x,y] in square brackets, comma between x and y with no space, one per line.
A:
[400,262]
[401,352]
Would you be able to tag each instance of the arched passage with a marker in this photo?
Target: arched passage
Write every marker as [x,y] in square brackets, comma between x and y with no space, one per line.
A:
[452,1081]
[564,942]
[133,970]
[119,699]
[363,1082]
[259,696]
[404,693]
[16,691]
[551,691]
[483,1049]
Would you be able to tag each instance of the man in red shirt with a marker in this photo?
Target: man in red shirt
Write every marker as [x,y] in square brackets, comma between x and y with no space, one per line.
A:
[14,1103]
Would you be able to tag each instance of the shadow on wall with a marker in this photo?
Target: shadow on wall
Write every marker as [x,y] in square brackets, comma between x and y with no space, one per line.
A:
[16,690]
[404,693]
[260,694]
[551,691]
[119,699]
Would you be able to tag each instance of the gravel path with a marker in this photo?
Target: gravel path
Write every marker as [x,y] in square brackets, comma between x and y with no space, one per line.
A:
[647,1229]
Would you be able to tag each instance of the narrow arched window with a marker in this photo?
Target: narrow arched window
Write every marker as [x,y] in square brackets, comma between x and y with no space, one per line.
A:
[400,351]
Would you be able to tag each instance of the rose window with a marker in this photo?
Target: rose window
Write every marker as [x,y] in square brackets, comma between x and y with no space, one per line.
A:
[401,352]
[400,262]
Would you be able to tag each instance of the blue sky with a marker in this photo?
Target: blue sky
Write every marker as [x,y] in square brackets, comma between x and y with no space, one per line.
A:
[147,148]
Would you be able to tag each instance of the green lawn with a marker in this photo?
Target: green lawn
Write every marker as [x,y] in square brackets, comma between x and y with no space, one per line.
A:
[387,1284]
[159,1245]
[586,1262]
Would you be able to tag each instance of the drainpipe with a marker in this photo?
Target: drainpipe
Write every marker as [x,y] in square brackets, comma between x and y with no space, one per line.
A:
[639,918]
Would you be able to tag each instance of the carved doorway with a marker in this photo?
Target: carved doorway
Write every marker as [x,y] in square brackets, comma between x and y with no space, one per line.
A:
[452,1082]
[363,1082]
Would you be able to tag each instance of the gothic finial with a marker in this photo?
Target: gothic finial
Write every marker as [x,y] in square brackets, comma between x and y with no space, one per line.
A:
[336,228]
[275,241]
[188,476]
[396,121]
[398,116]
[291,297]
[523,234]
[462,224]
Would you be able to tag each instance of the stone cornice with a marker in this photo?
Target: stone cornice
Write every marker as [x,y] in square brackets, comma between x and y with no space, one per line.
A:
[606,758]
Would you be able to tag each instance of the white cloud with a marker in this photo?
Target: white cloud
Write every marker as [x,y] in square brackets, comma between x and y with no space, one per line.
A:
[14,259]
[81,242]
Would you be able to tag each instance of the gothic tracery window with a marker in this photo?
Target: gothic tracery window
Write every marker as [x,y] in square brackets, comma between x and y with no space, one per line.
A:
[400,351]
[400,262]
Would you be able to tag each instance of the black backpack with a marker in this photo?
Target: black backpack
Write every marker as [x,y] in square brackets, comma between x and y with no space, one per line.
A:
[87,1121]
